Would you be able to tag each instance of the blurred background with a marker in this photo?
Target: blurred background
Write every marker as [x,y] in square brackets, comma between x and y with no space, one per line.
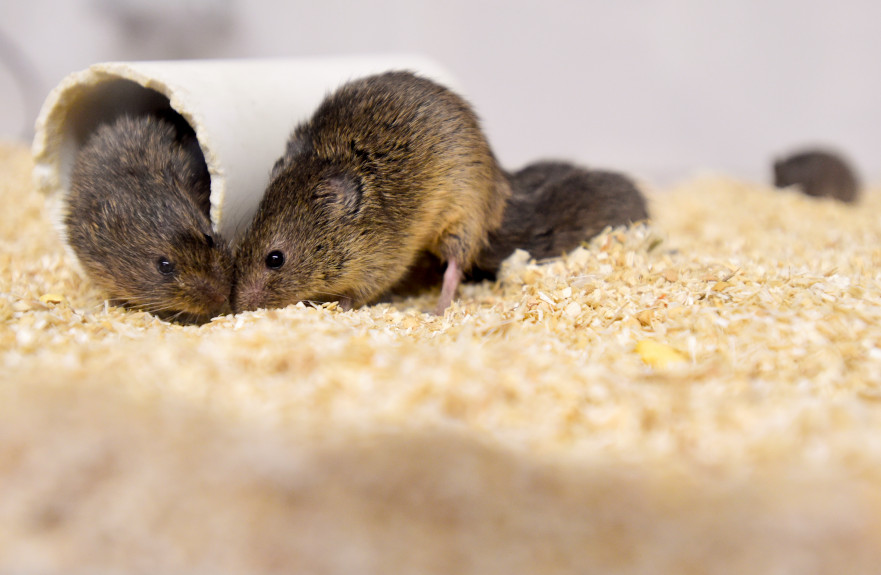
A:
[658,88]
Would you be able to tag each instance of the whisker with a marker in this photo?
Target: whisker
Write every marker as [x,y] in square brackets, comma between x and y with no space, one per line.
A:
[153,305]
[176,316]
[236,231]
[332,294]
[98,307]
[171,314]
[157,307]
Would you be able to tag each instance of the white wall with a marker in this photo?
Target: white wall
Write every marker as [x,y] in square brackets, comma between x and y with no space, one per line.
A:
[658,88]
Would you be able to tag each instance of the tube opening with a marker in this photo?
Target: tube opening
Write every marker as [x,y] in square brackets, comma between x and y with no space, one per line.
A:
[103,103]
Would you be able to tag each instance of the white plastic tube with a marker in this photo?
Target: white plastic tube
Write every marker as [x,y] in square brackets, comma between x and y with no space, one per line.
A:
[242,111]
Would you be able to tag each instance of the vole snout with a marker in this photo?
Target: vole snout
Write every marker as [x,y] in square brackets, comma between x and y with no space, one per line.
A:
[247,297]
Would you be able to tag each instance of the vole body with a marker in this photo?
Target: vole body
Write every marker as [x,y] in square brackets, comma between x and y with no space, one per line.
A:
[818,173]
[556,206]
[137,219]
[388,166]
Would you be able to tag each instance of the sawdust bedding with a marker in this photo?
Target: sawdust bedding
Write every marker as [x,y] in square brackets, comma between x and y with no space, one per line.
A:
[701,394]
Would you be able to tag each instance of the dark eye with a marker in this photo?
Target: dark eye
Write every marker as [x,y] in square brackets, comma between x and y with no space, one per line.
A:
[210,240]
[275,260]
[165,266]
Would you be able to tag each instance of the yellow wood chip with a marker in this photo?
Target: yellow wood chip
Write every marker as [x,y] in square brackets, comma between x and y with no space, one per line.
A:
[658,354]
[51,298]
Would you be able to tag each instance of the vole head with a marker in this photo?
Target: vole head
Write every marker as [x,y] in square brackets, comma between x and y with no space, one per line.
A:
[312,238]
[136,220]
[794,170]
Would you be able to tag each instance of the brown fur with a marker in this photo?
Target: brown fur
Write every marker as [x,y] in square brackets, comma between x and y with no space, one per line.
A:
[140,192]
[389,166]
[818,173]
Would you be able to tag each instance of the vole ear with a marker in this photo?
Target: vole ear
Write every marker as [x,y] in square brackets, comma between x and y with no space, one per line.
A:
[346,190]
[277,168]
[298,144]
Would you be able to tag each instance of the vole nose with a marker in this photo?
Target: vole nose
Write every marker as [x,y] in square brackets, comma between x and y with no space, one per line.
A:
[218,298]
[214,295]
[246,297]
